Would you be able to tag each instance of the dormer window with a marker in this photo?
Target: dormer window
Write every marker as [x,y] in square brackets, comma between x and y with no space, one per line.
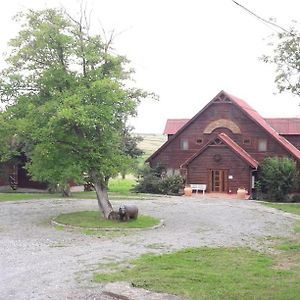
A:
[184,144]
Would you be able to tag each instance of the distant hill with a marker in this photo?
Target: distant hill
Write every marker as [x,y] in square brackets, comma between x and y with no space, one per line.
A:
[151,142]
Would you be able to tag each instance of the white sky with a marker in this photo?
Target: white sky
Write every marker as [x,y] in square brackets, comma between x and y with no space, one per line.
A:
[186,51]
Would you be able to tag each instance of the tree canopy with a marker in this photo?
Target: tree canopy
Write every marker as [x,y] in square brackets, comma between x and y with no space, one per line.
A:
[67,101]
[286,58]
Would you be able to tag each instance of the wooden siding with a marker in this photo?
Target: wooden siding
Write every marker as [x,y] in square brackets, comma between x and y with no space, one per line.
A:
[198,169]
[172,156]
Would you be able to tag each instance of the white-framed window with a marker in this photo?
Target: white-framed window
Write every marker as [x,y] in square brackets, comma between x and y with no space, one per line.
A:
[262,145]
[184,144]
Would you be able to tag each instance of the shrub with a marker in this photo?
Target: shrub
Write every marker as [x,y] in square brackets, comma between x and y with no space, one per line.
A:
[148,180]
[293,198]
[152,180]
[279,177]
[171,185]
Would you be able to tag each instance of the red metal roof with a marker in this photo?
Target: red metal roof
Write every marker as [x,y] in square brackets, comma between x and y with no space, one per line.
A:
[243,154]
[173,125]
[285,126]
[257,118]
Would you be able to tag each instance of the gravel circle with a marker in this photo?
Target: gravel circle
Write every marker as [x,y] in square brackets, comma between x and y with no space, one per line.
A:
[38,261]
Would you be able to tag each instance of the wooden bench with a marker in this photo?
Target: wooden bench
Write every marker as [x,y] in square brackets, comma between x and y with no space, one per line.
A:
[198,187]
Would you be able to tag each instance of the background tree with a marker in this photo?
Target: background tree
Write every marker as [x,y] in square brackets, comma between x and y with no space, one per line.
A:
[67,101]
[286,58]
[279,177]
[286,52]
[132,151]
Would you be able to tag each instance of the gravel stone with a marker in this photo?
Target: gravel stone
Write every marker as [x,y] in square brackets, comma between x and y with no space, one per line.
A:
[38,261]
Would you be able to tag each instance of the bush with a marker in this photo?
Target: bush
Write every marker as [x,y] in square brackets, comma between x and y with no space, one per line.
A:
[279,177]
[152,180]
[148,180]
[171,185]
[293,198]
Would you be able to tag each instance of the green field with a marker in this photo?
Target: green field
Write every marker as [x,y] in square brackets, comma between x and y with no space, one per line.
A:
[151,142]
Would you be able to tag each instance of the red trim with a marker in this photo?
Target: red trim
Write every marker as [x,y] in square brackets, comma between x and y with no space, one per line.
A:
[232,145]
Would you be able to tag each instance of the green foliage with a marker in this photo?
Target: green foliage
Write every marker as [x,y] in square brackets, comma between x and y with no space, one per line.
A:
[92,219]
[148,180]
[131,150]
[171,185]
[286,49]
[294,198]
[67,101]
[279,177]
[154,180]
[121,186]
[211,274]
[291,208]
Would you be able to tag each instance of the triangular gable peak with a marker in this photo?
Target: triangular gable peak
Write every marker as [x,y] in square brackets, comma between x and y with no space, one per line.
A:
[219,98]
[224,139]
[223,97]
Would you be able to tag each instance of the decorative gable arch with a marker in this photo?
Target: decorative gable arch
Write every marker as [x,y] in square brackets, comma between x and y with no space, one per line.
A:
[222,123]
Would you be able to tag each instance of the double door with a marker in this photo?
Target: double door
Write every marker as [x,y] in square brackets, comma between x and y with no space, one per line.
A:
[218,180]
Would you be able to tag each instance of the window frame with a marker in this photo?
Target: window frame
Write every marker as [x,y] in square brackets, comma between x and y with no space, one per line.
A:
[184,144]
[259,145]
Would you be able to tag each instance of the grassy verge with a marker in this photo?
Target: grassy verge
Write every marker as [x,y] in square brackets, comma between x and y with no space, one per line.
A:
[293,208]
[212,274]
[118,189]
[93,219]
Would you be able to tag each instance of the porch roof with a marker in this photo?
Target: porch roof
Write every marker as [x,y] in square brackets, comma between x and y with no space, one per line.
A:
[242,153]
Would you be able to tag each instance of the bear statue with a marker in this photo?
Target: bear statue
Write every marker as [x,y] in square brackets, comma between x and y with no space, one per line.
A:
[128,212]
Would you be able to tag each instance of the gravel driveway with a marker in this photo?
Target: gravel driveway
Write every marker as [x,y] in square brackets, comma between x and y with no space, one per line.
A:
[38,261]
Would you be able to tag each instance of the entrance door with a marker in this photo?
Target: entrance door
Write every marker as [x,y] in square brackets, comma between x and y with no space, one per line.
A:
[218,181]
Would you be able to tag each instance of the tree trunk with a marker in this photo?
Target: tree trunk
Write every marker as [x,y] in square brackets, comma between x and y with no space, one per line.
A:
[66,191]
[102,195]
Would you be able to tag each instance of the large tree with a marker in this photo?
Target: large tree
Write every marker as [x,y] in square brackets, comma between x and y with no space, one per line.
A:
[67,101]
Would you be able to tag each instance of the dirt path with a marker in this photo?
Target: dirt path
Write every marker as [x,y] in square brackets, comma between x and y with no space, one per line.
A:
[38,261]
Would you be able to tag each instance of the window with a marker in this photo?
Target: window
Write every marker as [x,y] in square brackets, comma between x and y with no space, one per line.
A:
[199,141]
[246,141]
[184,145]
[262,145]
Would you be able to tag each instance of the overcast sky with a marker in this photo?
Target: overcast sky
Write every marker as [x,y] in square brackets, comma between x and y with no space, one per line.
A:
[186,51]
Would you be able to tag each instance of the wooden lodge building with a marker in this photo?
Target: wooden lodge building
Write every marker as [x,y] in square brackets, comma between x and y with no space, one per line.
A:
[223,145]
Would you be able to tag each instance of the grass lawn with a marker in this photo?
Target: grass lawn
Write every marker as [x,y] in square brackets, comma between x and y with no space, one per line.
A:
[287,207]
[118,189]
[220,273]
[93,219]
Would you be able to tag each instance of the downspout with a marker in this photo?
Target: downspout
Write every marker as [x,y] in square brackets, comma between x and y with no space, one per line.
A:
[251,175]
